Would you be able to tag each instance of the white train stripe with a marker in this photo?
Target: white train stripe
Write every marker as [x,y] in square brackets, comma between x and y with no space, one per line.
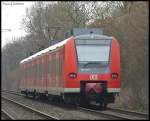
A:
[113,89]
[60,89]
[71,89]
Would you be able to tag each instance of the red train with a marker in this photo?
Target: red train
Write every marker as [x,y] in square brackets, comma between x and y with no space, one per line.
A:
[82,68]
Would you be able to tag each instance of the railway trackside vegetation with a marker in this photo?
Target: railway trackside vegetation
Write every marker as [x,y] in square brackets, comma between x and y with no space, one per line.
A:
[127,21]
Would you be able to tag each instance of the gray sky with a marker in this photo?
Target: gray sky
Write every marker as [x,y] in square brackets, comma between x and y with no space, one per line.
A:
[12,14]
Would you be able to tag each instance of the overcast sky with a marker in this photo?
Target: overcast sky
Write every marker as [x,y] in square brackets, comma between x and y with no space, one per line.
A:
[12,14]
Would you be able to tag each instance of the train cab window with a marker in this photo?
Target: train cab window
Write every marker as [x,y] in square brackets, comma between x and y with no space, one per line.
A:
[93,56]
[93,52]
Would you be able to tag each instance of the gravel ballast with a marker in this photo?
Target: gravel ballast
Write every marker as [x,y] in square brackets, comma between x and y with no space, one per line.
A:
[18,112]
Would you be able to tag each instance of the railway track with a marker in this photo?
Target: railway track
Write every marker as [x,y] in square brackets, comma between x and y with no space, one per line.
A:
[117,113]
[111,113]
[133,113]
[13,92]
[6,115]
[39,113]
[110,116]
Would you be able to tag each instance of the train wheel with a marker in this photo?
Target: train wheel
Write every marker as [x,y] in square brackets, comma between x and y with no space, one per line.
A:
[26,93]
[103,105]
[84,102]
[34,95]
[67,100]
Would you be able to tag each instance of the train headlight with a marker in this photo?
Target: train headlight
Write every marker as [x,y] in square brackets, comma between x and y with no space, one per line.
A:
[114,75]
[72,75]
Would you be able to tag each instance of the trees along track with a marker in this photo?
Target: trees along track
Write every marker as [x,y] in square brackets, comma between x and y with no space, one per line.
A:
[44,115]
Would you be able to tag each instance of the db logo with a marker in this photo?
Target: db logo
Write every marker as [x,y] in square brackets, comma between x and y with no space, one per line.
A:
[93,77]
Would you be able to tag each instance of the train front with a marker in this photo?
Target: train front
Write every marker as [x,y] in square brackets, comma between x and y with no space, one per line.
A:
[98,62]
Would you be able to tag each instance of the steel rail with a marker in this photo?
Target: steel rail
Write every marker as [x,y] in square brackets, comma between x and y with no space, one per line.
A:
[122,114]
[110,116]
[7,115]
[128,112]
[12,92]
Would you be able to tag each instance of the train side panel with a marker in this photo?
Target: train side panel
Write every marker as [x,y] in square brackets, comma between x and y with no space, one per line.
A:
[71,85]
[56,71]
[114,84]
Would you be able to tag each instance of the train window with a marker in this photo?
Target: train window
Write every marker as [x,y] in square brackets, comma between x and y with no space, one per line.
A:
[43,71]
[93,58]
[42,68]
[37,72]
[49,67]
[34,71]
[93,53]
[30,70]
[27,72]
[95,42]
[39,69]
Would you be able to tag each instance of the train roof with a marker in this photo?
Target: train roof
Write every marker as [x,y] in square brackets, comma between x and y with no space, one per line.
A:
[45,50]
[82,37]
[83,31]
[93,36]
